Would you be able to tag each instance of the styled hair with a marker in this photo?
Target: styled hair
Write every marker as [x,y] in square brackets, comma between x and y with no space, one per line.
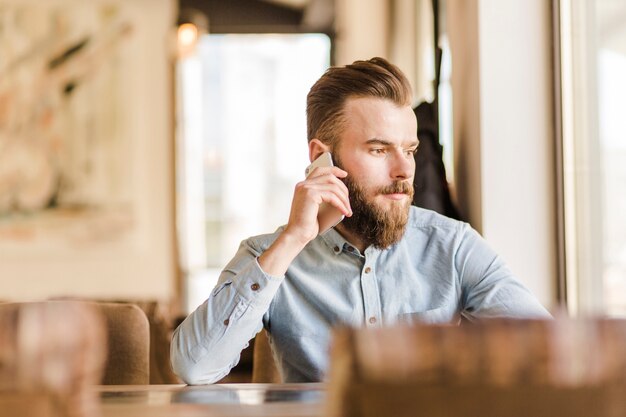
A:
[325,103]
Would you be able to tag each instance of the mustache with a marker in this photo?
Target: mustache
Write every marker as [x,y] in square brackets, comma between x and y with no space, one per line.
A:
[398,187]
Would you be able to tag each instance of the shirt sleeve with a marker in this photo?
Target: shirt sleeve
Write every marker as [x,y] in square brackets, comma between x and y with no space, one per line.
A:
[489,287]
[208,344]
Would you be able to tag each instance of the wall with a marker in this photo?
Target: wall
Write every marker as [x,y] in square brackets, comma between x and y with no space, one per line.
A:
[362,30]
[388,28]
[503,131]
[125,251]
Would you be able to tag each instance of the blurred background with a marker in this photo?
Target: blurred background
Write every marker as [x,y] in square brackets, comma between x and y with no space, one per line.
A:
[142,140]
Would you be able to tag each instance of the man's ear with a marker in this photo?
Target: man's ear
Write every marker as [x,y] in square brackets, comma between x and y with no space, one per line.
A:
[316,148]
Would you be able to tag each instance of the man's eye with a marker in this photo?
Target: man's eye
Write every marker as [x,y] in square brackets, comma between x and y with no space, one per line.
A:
[378,151]
[411,151]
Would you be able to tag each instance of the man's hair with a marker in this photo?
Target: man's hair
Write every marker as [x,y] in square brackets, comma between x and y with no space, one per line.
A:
[377,78]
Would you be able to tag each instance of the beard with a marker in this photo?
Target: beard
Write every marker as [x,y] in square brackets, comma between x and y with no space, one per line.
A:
[375,225]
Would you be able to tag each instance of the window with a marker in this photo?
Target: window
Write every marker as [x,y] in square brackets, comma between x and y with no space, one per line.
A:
[593,101]
[242,143]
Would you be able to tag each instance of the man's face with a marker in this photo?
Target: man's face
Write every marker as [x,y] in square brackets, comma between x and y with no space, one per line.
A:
[376,149]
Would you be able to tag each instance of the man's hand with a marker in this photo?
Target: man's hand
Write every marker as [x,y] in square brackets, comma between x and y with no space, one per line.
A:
[323,185]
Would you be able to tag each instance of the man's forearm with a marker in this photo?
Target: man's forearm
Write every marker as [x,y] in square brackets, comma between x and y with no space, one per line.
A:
[207,357]
[208,343]
[277,258]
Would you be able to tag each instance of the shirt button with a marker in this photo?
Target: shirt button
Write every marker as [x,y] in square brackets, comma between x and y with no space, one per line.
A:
[372,320]
[226,322]
[336,249]
[255,287]
[350,249]
[368,270]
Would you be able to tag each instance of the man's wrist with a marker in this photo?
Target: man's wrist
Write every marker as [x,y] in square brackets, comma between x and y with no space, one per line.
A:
[277,258]
[296,238]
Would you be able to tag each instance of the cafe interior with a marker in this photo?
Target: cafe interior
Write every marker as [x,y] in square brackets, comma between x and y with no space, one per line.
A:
[142,140]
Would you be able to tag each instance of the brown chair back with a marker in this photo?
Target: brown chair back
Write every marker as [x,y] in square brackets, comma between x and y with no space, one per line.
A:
[128,335]
[264,369]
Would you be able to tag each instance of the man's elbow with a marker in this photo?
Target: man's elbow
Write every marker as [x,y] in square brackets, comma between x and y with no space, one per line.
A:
[193,372]
[191,377]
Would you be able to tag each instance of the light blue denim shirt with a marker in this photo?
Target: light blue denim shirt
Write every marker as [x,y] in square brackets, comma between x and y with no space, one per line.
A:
[440,269]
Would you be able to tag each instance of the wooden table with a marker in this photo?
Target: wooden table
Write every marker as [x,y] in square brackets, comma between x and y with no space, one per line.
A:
[228,400]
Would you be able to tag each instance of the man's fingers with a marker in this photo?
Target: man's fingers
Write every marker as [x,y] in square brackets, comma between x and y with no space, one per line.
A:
[329,177]
[333,192]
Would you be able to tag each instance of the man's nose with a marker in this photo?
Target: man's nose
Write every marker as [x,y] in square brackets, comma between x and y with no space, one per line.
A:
[402,166]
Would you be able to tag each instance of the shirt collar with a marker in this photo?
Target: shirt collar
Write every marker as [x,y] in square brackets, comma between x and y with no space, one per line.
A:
[337,243]
[333,239]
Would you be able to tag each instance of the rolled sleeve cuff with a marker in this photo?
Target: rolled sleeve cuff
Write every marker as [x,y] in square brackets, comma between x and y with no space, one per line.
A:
[259,287]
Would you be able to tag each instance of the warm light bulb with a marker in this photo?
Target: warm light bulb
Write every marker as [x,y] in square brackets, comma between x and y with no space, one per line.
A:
[187,35]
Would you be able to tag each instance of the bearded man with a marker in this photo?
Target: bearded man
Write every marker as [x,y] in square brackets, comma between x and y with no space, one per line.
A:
[386,262]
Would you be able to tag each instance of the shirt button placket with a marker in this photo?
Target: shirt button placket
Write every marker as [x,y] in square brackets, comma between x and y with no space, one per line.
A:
[370,296]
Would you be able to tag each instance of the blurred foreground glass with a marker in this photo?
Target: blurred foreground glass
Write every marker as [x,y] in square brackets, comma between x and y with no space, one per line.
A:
[492,368]
[241,143]
[593,99]
[51,355]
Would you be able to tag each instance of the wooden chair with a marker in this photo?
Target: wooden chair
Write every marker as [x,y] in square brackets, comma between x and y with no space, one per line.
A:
[264,369]
[126,343]
[160,327]
[128,336]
